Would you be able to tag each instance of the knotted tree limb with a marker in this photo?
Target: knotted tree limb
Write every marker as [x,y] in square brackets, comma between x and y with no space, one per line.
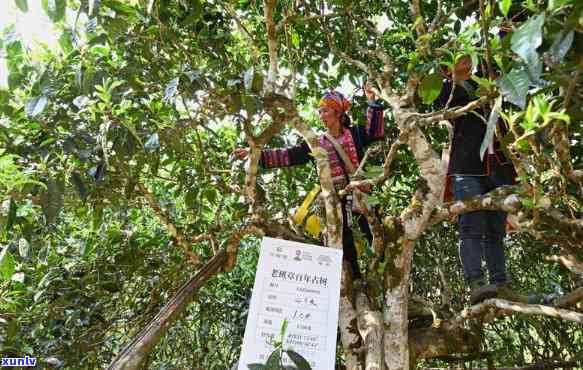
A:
[436,23]
[269,6]
[347,322]
[511,199]
[418,18]
[570,299]
[501,307]
[448,338]
[255,144]
[423,119]
[370,326]
[380,179]
[560,137]
[569,262]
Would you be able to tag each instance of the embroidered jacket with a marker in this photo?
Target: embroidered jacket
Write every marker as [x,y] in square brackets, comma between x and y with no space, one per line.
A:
[354,140]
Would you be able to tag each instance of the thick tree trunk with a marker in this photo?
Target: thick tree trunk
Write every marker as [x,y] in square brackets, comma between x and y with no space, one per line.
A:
[395,315]
[370,326]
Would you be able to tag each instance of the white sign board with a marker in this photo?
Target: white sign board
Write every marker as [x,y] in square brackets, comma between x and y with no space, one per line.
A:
[299,283]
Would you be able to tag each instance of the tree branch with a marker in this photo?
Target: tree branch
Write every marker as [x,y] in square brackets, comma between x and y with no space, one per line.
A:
[314,17]
[489,305]
[418,18]
[569,261]
[174,232]
[269,5]
[253,44]
[370,326]
[486,37]
[437,20]
[570,299]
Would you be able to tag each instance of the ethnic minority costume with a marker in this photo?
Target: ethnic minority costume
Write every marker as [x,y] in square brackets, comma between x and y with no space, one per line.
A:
[481,233]
[353,140]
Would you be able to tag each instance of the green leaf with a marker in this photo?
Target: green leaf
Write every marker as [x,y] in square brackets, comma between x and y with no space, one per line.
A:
[12,208]
[373,200]
[120,7]
[492,121]
[55,9]
[283,329]
[298,360]
[514,87]
[430,88]
[22,5]
[528,38]
[295,39]
[35,106]
[23,248]
[52,200]
[373,171]
[556,4]
[273,360]
[505,6]
[66,41]
[7,264]
[256,366]
[484,83]
[561,46]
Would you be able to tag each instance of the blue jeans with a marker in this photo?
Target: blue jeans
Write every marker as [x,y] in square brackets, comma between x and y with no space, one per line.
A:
[481,233]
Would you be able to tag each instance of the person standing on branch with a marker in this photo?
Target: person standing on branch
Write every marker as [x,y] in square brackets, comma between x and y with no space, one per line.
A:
[344,142]
[481,233]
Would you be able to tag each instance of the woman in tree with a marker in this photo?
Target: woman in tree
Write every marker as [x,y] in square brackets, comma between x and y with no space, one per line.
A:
[351,139]
[481,233]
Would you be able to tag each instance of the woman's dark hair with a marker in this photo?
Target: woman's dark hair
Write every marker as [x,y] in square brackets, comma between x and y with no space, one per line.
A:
[345,120]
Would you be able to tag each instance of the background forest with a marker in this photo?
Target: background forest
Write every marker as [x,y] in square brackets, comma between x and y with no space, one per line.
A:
[118,185]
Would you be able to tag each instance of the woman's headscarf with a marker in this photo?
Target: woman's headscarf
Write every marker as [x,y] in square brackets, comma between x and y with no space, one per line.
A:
[335,100]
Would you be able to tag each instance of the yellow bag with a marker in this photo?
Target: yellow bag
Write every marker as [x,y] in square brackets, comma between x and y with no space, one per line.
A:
[313,222]
[313,226]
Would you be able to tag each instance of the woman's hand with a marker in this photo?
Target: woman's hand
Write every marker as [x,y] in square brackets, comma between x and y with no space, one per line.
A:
[370,95]
[241,153]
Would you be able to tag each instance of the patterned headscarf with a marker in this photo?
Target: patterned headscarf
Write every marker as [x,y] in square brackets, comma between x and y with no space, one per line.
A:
[336,101]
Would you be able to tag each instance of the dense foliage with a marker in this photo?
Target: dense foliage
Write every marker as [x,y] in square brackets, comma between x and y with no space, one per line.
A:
[129,128]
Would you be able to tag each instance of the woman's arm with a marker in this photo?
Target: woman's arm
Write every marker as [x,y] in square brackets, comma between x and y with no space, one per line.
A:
[285,157]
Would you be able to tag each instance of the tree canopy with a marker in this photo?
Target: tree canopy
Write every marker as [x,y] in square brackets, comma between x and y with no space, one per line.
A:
[122,206]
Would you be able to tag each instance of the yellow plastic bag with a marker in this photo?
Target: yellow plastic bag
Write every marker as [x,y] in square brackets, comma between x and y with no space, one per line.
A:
[302,212]
[313,226]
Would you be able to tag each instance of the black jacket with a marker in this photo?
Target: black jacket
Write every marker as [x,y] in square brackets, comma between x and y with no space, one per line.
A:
[468,133]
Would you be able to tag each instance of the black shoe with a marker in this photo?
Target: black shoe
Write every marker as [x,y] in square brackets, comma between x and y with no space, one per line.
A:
[481,293]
